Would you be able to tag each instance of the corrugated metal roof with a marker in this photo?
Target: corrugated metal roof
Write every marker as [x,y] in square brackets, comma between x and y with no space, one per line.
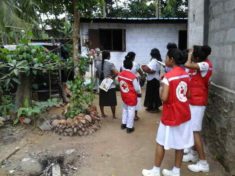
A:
[134,20]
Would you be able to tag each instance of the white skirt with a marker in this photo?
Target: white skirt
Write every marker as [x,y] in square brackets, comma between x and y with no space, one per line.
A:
[138,106]
[197,114]
[175,137]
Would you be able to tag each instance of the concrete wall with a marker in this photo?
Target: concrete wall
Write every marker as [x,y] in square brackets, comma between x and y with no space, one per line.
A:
[195,22]
[222,40]
[219,121]
[140,38]
[220,118]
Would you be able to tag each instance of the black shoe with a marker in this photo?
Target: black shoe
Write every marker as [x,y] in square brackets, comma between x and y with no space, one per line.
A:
[154,110]
[148,109]
[123,126]
[130,130]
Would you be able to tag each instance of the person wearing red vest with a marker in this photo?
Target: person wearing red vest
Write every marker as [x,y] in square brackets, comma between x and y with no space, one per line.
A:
[129,88]
[174,130]
[200,71]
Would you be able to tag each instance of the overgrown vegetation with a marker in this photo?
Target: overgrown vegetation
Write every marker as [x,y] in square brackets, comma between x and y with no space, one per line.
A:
[33,111]
[26,62]
[82,92]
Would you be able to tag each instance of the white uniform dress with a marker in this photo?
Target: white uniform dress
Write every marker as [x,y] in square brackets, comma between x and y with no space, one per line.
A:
[175,137]
[197,112]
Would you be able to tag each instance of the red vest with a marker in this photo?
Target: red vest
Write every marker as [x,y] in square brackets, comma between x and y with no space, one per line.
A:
[198,86]
[176,109]
[128,93]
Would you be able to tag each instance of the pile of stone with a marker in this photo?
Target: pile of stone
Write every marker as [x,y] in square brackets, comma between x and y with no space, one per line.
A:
[81,125]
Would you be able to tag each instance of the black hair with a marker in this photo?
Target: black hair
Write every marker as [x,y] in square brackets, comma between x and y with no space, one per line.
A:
[155,53]
[128,64]
[130,56]
[177,55]
[105,55]
[201,52]
[207,50]
[171,46]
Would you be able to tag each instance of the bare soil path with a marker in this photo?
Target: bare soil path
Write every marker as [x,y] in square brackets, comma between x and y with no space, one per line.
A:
[108,152]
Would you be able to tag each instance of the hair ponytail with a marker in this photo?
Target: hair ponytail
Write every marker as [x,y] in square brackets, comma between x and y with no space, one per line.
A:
[130,56]
[155,53]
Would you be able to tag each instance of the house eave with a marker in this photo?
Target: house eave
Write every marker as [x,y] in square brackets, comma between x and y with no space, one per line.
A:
[135,20]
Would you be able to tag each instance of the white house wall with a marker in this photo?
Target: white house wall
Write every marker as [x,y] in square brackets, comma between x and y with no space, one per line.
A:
[140,38]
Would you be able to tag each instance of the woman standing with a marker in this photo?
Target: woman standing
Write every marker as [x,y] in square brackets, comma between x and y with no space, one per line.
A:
[106,69]
[200,72]
[152,100]
[174,131]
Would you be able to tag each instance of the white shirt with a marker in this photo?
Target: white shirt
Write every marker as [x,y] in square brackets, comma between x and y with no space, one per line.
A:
[154,65]
[204,68]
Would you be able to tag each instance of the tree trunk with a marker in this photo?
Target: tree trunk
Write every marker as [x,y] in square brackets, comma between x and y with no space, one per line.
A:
[158,8]
[24,91]
[76,32]
[104,12]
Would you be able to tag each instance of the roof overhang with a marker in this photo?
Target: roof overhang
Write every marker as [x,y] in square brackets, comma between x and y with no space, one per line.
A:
[134,20]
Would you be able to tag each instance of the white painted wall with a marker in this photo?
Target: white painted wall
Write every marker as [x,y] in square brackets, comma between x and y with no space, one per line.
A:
[140,38]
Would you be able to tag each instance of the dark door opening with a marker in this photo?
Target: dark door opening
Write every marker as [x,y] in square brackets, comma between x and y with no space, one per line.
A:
[182,40]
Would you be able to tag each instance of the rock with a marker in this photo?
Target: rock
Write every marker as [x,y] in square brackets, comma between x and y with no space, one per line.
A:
[11,171]
[70,151]
[27,121]
[69,121]
[31,166]
[68,130]
[83,121]
[88,118]
[45,126]
[55,123]
[56,171]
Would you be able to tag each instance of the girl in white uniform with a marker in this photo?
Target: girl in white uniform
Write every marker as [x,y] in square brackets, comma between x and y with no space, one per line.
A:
[137,71]
[174,131]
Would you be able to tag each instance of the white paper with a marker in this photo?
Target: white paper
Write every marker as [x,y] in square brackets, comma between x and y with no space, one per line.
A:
[106,84]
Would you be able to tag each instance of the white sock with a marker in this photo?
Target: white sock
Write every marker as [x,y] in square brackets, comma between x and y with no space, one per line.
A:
[193,152]
[176,170]
[156,169]
[203,162]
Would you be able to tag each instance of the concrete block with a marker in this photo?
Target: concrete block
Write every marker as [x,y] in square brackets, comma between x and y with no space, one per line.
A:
[229,5]
[227,50]
[217,9]
[231,35]
[233,49]
[227,20]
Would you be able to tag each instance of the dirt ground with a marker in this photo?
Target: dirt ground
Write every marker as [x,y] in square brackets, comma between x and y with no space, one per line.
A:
[108,152]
